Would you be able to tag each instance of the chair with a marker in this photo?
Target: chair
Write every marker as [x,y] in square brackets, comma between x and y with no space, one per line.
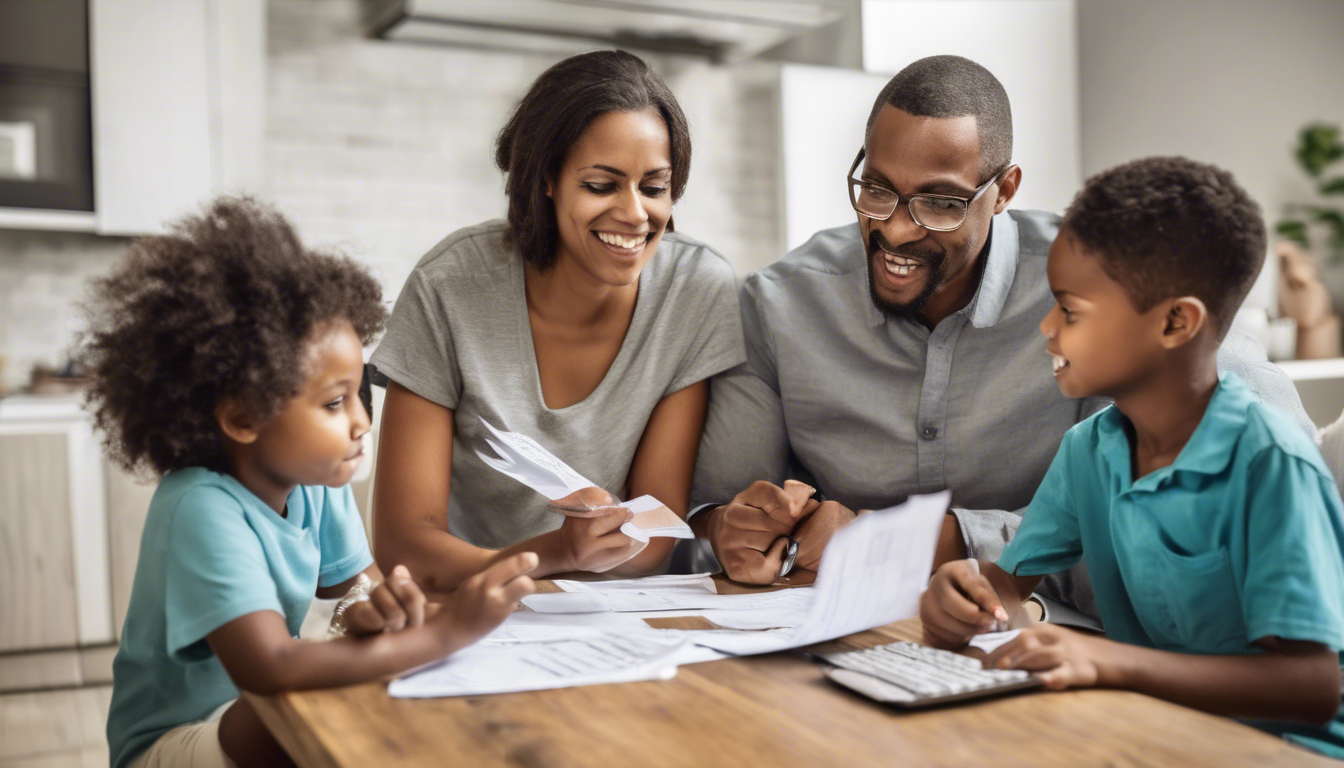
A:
[1332,448]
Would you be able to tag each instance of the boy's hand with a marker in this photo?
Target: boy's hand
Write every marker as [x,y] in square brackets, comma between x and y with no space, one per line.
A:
[959,604]
[485,599]
[395,604]
[1061,657]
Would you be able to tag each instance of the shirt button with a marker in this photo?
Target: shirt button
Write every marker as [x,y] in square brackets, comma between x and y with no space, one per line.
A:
[929,433]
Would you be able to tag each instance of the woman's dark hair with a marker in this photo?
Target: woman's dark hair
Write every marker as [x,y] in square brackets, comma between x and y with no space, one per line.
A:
[533,144]
[221,307]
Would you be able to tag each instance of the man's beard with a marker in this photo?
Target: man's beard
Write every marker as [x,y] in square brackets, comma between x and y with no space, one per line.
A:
[933,262]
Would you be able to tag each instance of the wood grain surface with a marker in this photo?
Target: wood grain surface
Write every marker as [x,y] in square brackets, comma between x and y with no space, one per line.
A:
[774,710]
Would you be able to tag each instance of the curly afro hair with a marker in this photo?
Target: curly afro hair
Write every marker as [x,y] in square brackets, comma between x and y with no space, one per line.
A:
[221,307]
[1168,226]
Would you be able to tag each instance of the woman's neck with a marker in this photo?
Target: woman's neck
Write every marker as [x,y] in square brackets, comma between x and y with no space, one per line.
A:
[568,295]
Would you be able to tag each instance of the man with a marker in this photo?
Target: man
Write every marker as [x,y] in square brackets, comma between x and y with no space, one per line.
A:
[901,355]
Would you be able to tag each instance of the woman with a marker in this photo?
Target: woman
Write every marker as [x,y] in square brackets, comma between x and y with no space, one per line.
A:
[582,322]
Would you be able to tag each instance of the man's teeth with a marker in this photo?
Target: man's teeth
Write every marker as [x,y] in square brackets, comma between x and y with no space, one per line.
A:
[1059,363]
[898,265]
[634,241]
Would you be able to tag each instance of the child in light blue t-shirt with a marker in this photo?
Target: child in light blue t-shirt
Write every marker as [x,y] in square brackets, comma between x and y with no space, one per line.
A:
[1211,527]
[228,359]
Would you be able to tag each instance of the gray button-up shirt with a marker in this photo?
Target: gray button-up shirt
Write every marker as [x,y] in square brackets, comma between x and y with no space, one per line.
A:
[871,409]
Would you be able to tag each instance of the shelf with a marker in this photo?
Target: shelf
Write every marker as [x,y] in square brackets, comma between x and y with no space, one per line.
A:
[33,218]
[1313,370]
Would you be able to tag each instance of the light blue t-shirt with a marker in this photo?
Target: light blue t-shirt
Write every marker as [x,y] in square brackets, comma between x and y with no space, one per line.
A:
[210,553]
[1241,538]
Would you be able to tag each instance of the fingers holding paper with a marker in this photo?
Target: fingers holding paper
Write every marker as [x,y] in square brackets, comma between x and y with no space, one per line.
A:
[596,544]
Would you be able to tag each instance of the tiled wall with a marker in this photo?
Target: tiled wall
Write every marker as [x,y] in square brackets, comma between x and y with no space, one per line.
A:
[380,149]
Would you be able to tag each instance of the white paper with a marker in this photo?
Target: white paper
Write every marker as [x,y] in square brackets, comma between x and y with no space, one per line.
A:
[675,593]
[526,461]
[609,656]
[989,641]
[872,573]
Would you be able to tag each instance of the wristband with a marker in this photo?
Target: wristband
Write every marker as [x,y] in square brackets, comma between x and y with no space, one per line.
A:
[358,593]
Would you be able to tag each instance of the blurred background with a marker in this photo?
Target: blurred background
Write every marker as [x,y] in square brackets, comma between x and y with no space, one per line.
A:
[370,123]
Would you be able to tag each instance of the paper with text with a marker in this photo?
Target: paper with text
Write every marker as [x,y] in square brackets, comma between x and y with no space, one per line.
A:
[872,573]
[526,461]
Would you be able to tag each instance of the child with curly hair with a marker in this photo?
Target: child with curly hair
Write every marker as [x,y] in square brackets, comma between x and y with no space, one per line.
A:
[227,358]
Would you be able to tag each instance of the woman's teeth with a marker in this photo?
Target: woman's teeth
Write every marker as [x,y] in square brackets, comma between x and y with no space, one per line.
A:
[1060,364]
[633,241]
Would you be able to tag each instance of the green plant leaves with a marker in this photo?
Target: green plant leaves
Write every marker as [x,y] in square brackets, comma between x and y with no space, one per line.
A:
[1293,229]
[1318,145]
[1333,186]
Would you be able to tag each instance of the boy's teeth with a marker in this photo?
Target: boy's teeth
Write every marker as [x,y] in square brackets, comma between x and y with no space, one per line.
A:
[633,241]
[1059,363]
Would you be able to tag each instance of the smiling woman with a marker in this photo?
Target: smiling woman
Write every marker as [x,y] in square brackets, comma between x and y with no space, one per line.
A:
[582,321]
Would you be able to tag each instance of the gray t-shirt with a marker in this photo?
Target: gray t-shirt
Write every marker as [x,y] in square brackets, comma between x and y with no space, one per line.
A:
[460,336]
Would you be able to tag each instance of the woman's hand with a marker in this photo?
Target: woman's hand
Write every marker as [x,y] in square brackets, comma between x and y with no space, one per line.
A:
[1061,657]
[594,542]
[486,599]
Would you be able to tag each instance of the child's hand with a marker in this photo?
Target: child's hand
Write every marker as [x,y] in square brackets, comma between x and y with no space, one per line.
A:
[1063,658]
[595,543]
[959,604]
[484,600]
[395,604]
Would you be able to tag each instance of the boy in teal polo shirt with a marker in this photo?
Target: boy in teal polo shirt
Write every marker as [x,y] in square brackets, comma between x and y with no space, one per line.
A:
[1211,527]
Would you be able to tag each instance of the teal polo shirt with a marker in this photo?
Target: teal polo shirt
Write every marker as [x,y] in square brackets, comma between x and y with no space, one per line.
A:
[212,552]
[1241,538]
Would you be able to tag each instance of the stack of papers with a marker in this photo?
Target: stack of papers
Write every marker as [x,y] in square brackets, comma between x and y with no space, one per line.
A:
[526,461]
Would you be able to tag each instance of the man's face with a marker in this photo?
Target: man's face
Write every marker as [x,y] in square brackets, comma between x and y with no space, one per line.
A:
[909,266]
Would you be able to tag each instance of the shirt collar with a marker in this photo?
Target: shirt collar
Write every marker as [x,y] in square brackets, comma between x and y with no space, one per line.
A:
[986,307]
[1209,450]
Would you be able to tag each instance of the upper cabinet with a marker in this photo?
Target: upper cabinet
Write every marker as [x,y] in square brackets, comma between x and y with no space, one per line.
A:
[177,97]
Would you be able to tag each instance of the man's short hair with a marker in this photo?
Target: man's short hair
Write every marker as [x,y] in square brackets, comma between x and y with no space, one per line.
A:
[1168,226]
[953,86]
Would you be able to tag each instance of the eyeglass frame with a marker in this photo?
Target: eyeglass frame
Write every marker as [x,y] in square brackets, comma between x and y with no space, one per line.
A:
[965,201]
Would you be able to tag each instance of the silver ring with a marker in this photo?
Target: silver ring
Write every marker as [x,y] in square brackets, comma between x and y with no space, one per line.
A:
[790,556]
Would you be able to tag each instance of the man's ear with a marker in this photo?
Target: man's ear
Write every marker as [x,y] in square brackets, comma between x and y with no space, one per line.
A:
[1184,319]
[236,421]
[1008,185]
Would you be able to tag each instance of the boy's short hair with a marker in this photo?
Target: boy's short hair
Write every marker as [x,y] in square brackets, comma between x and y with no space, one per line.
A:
[221,307]
[1168,226]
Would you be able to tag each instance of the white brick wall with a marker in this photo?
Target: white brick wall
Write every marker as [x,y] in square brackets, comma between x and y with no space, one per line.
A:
[380,149]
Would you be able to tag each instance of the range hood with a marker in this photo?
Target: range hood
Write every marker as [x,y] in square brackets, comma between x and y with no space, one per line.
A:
[719,30]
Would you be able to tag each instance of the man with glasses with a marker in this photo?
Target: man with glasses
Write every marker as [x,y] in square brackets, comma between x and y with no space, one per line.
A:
[901,355]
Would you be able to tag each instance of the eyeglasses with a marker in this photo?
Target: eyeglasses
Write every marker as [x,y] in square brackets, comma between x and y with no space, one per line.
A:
[940,213]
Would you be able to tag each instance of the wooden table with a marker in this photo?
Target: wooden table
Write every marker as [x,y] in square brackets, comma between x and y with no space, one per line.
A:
[774,710]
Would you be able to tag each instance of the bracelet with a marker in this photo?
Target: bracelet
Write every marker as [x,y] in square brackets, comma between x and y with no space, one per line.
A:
[357,594]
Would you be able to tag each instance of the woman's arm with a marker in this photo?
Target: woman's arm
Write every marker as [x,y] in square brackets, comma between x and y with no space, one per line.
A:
[1291,680]
[664,464]
[410,499]
[410,506]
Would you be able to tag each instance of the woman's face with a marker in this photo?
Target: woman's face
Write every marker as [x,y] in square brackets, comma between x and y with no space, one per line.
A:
[613,195]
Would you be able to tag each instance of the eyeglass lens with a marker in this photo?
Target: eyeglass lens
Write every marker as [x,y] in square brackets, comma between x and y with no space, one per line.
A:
[930,212]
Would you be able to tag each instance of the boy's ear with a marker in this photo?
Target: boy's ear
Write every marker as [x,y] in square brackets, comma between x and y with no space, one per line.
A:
[236,421]
[1184,319]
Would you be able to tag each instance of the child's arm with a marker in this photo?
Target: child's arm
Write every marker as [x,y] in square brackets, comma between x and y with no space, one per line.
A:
[967,597]
[1291,680]
[261,657]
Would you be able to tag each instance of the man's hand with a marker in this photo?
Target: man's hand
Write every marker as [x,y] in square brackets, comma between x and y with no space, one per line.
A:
[959,604]
[819,524]
[1063,658]
[749,533]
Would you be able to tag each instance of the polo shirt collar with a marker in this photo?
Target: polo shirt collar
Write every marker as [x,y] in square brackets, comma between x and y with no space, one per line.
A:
[986,307]
[1209,450]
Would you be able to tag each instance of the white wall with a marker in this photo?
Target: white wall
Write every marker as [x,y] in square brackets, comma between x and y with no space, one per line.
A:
[1228,82]
[1028,44]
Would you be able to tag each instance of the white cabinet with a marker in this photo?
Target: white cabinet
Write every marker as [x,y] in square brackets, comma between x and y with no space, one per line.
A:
[178,111]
